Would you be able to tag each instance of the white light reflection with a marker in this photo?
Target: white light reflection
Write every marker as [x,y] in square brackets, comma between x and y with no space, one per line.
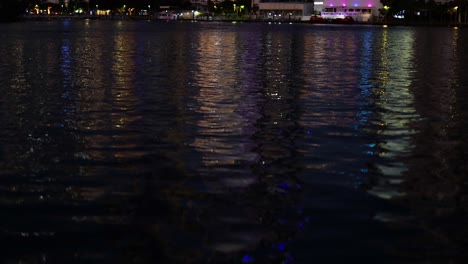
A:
[396,111]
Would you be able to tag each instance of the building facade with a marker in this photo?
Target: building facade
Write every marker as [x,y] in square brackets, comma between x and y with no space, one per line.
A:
[359,10]
[283,9]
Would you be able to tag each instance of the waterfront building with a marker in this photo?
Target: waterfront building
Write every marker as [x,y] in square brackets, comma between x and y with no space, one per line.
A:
[283,9]
[202,5]
[199,2]
[359,10]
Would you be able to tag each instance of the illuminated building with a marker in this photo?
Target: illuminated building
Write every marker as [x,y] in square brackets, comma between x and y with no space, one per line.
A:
[359,10]
[202,5]
[283,9]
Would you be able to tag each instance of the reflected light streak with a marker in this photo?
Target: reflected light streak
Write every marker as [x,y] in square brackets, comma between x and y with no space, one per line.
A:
[220,100]
[396,101]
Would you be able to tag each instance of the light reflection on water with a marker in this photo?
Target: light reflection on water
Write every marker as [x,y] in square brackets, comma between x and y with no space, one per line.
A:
[396,111]
[193,142]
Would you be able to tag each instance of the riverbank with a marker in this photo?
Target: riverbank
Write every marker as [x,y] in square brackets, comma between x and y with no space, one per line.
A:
[231,19]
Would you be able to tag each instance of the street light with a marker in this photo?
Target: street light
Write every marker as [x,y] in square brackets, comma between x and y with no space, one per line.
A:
[386,8]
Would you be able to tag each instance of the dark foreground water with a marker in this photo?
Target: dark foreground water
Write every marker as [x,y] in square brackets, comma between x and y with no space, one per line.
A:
[146,142]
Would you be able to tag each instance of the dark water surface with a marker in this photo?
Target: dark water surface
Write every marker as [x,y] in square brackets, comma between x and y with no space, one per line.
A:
[145,142]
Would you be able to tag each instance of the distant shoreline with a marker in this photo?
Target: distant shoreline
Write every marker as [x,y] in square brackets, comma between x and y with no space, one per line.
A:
[230,20]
